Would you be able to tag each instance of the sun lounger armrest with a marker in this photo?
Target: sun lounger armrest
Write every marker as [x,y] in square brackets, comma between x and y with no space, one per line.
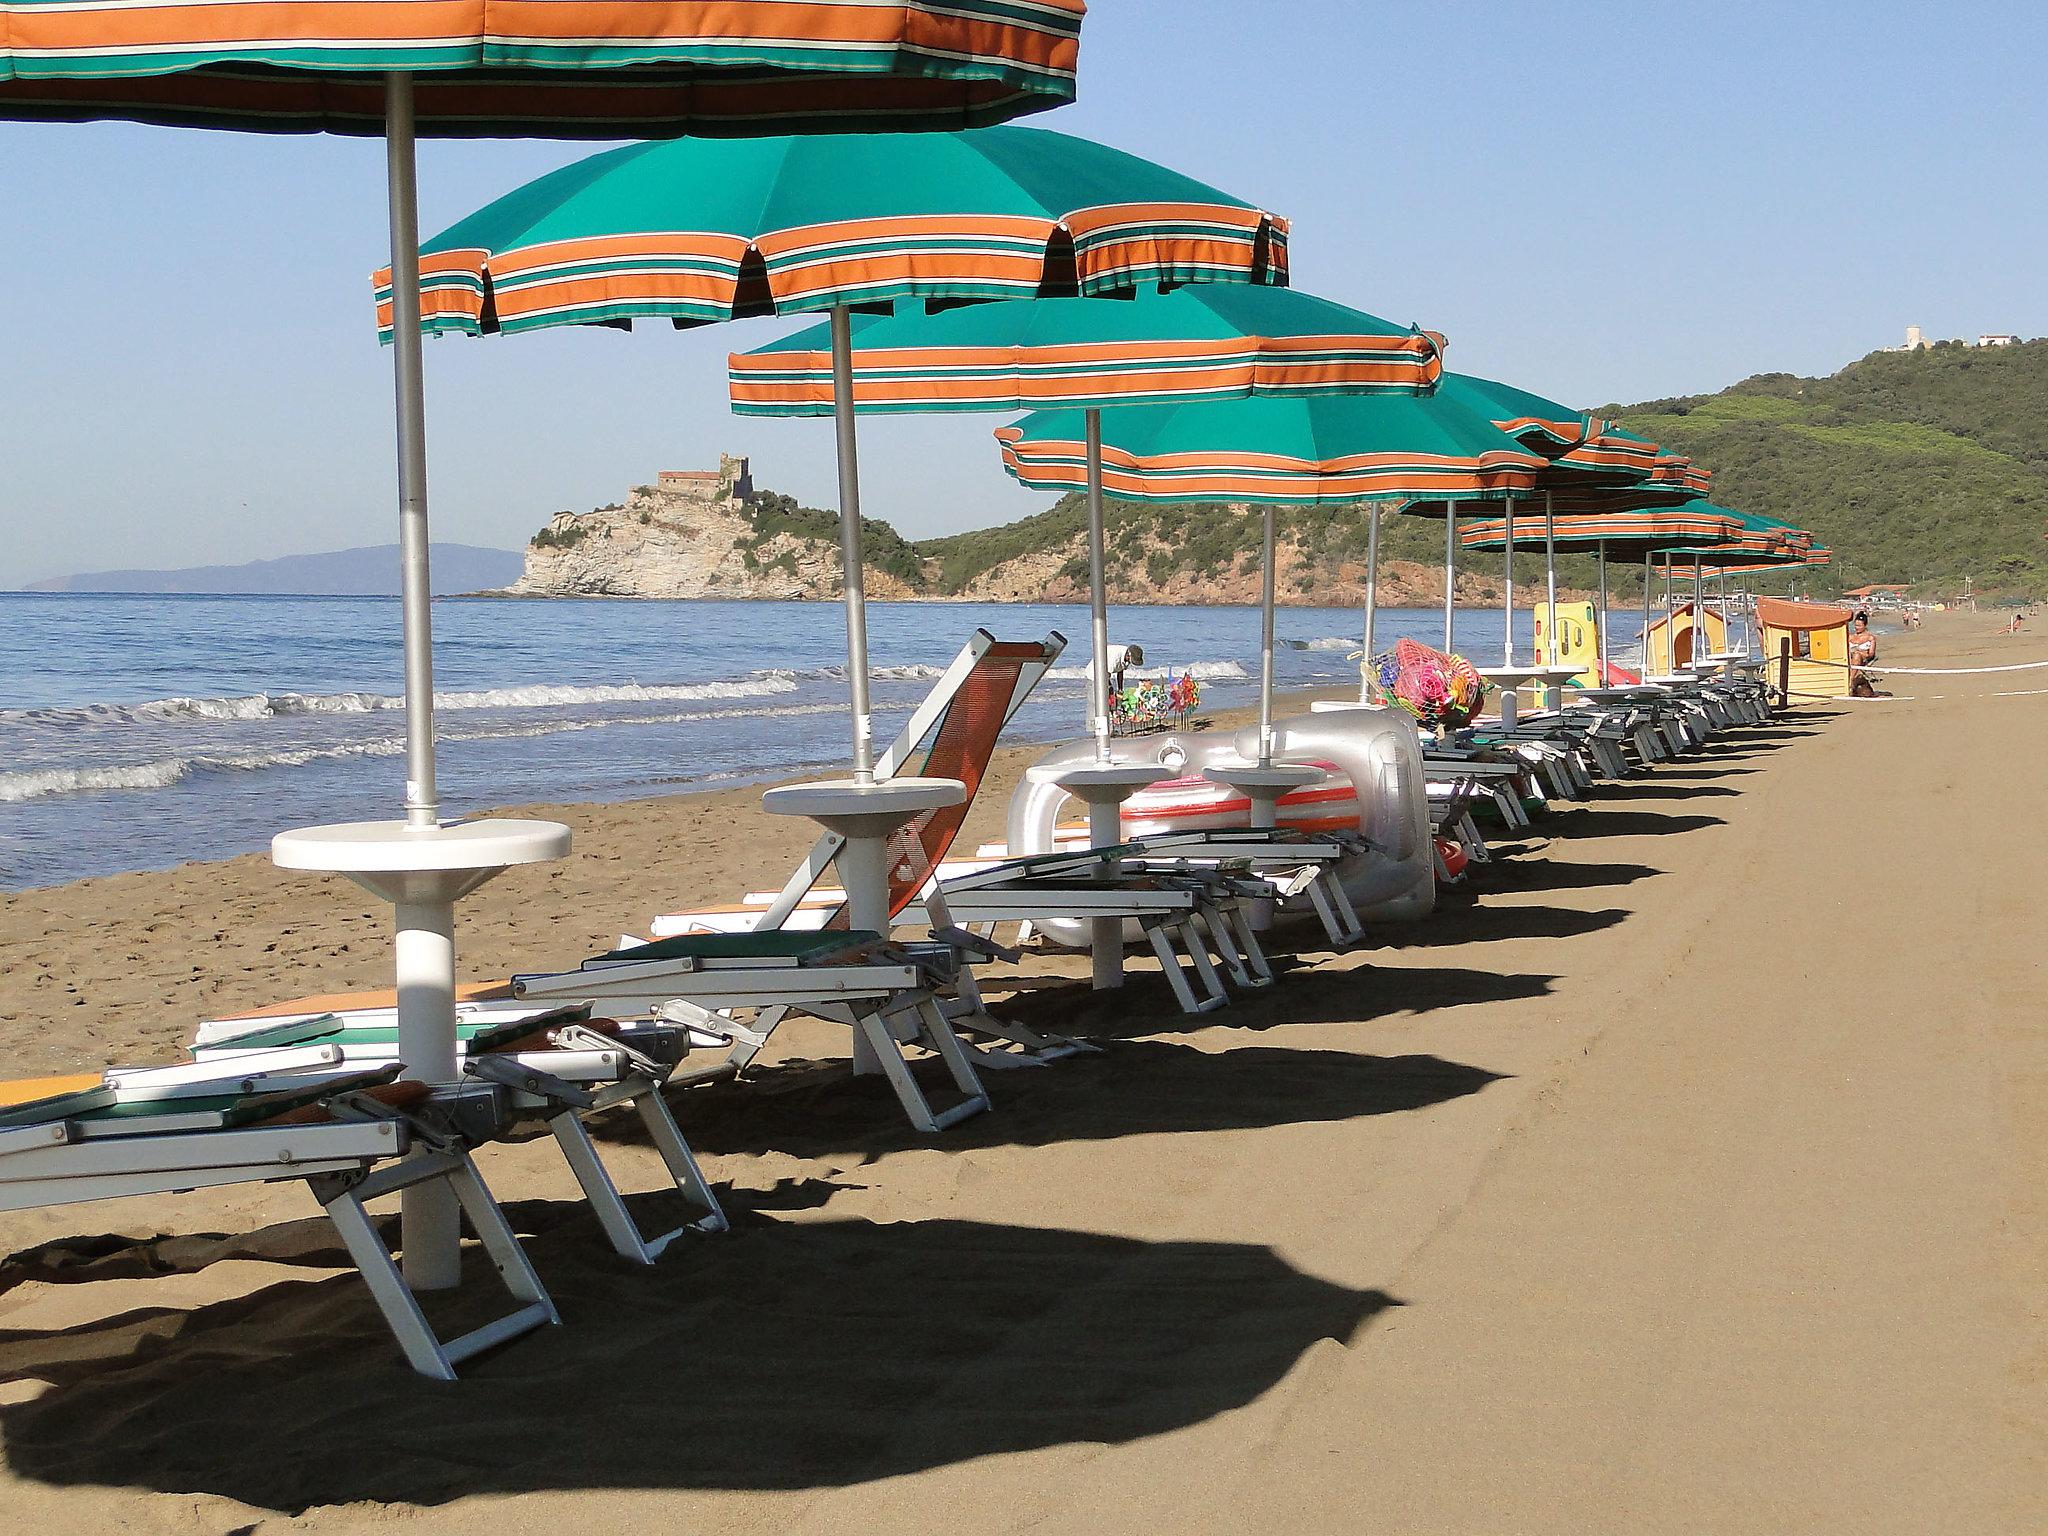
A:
[975,944]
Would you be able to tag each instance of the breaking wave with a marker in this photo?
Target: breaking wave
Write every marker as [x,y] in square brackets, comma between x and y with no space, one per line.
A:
[270,706]
[164,772]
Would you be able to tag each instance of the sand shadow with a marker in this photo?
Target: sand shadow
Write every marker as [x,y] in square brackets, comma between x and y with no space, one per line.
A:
[1475,921]
[1132,1088]
[793,1356]
[1593,821]
[1650,789]
[1523,873]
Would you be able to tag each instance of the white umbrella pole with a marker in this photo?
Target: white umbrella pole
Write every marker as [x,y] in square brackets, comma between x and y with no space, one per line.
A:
[1098,595]
[1450,576]
[1507,601]
[852,580]
[1649,594]
[1699,608]
[1600,620]
[1372,574]
[430,1221]
[1266,646]
[422,798]
[1550,576]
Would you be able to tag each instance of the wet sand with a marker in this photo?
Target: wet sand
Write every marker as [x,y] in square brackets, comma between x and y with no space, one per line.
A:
[1687,1175]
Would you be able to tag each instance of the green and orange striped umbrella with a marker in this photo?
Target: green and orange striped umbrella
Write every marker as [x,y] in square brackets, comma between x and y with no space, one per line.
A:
[1202,342]
[1205,342]
[696,232]
[1312,450]
[541,68]
[1636,535]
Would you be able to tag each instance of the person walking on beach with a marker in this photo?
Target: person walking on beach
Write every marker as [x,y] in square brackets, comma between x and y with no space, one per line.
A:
[1862,652]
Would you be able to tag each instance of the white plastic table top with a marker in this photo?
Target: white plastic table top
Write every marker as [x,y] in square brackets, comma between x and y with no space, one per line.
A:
[1617,693]
[1672,679]
[1551,676]
[392,847]
[1249,776]
[835,801]
[1086,780]
[1335,706]
[1510,677]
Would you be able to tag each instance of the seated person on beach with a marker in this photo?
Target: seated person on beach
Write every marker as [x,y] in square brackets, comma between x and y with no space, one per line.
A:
[1862,652]
[2019,617]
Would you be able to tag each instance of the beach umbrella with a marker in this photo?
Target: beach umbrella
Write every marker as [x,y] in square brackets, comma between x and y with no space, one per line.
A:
[1275,451]
[1630,534]
[1586,454]
[698,232]
[1754,541]
[1202,342]
[544,68]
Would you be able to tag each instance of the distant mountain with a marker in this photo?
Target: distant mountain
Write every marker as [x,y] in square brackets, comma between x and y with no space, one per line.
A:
[371,572]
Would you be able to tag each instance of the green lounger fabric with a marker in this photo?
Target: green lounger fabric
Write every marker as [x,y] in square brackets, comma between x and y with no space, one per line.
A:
[777,944]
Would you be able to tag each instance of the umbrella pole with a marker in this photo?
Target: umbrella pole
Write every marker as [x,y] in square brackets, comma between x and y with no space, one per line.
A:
[1600,621]
[1372,572]
[430,1221]
[1550,577]
[1649,594]
[1699,608]
[1450,576]
[853,582]
[1266,645]
[1098,596]
[422,798]
[1507,601]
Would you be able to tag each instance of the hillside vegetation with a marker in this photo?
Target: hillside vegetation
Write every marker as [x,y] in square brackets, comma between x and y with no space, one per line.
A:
[1926,467]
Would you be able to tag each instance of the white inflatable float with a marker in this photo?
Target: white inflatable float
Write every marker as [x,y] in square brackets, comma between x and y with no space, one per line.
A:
[1376,786]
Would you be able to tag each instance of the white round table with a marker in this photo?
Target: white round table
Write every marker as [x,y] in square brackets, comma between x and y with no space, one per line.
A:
[1508,679]
[1104,787]
[866,815]
[1552,680]
[423,872]
[1264,784]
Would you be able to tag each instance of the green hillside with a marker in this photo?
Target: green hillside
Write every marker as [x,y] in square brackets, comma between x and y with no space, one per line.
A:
[1915,466]
[1927,467]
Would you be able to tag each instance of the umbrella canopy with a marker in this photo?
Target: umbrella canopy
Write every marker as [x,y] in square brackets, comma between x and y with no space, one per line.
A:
[1311,451]
[1586,449]
[1277,451]
[545,68]
[702,230]
[1624,534]
[1203,342]
[696,232]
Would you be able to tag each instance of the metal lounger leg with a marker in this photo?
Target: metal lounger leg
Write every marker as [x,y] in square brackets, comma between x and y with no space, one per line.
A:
[1240,918]
[424,1350]
[1326,895]
[1170,966]
[602,1190]
[938,1034]
[1207,920]
[1198,957]
[875,1027]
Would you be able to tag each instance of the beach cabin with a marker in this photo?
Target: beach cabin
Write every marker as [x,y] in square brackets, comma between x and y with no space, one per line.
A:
[1668,642]
[1817,637]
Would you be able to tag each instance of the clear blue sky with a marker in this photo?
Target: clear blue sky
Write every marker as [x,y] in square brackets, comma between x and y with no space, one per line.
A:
[1600,201]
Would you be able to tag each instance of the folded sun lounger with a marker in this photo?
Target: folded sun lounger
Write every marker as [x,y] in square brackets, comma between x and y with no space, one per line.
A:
[350,1135]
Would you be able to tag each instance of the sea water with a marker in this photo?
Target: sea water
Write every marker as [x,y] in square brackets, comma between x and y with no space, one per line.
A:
[137,732]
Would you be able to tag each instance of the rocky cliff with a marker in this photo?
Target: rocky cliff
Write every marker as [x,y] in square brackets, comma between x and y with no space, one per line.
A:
[686,537]
[678,543]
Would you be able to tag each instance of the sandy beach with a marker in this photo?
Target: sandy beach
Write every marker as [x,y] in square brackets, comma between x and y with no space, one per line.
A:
[1685,1173]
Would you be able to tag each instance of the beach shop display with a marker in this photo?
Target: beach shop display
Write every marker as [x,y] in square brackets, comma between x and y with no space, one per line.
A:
[560,68]
[1444,693]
